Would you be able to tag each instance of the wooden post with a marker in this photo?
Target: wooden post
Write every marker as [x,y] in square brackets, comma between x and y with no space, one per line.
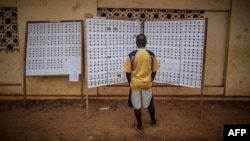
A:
[203,71]
[87,15]
[24,69]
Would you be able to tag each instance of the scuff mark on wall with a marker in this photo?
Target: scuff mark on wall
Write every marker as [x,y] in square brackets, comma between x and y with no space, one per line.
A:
[76,6]
[238,36]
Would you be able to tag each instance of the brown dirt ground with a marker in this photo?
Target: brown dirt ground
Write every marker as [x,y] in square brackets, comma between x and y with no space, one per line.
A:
[65,120]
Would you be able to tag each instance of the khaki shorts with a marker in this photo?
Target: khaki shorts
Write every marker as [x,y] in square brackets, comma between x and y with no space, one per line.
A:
[141,98]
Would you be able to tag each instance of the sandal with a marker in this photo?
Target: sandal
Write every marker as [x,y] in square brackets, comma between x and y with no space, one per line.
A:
[156,123]
[139,130]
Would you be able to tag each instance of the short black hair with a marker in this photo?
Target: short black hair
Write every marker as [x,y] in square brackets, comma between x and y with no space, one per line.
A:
[141,40]
[141,36]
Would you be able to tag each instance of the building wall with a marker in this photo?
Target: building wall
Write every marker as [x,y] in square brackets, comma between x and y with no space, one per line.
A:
[11,67]
[227,48]
[238,66]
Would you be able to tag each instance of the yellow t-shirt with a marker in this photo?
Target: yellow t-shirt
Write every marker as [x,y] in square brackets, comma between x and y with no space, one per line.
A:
[141,69]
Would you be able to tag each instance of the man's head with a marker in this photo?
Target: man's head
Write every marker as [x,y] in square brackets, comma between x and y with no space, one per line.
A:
[141,41]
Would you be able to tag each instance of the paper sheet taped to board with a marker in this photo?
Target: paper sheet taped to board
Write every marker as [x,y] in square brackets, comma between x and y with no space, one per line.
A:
[108,44]
[51,46]
[179,46]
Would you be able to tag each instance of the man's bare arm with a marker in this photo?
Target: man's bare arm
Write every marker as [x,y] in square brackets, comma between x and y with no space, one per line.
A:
[128,75]
[153,76]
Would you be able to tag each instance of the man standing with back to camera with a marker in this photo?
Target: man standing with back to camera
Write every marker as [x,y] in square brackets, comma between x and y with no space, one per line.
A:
[140,67]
